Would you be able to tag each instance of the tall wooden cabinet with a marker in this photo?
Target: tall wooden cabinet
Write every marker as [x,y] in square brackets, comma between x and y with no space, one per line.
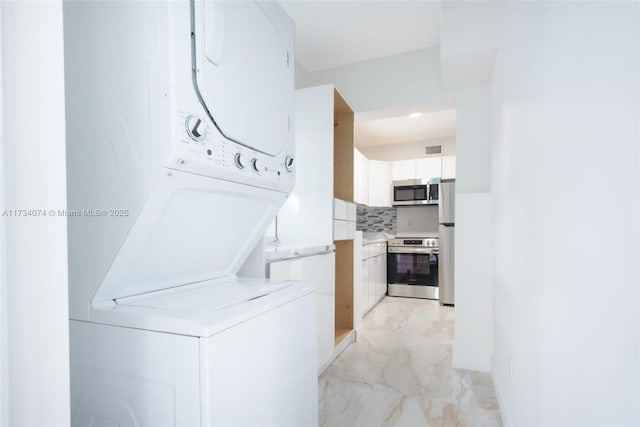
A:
[343,188]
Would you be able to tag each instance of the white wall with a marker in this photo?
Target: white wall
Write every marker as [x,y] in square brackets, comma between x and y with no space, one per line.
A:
[393,86]
[34,178]
[564,106]
[4,331]
[472,140]
[473,340]
[469,27]
[468,41]
[472,345]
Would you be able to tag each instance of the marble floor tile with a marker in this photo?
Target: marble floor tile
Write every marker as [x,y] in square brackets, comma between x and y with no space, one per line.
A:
[399,373]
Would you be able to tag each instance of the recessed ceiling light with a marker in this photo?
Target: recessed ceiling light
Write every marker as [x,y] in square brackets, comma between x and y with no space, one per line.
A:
[415,115]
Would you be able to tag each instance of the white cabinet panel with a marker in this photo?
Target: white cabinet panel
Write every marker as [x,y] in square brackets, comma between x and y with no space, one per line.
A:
[379,183]
[318,270]
[339,209]
[372,282]
[448,167]
[374,271]
[377,267]
[351,212]
[360,177]
[403,169]
[343,230]
[429,167]
[306,215]
[364,287]
[358,302]
[382,284]
[374,278]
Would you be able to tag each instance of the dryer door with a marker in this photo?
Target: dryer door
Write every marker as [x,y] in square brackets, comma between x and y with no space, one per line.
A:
[244,71]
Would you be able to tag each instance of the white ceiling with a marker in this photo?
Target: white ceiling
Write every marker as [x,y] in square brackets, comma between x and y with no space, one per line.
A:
[335,33]
[394,130]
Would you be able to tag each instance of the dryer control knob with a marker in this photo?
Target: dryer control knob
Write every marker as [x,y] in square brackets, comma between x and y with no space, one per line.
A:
[256,164]
[196,128]
[288,163]
[239,161]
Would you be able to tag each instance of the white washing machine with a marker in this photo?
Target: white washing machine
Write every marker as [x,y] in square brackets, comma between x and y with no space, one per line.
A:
[180,152]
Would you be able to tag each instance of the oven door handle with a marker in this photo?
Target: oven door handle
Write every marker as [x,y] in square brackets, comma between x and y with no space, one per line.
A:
[406,250]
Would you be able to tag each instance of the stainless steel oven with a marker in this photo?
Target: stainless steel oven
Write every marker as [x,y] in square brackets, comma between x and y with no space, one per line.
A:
[412,268]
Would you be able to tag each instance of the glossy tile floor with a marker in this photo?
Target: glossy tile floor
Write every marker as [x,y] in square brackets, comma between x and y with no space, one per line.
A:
[399,373]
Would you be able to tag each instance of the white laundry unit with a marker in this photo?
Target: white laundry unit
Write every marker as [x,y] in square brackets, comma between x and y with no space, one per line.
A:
[180,152]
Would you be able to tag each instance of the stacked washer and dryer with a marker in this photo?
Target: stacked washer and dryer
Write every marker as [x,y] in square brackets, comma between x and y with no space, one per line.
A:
[180,153]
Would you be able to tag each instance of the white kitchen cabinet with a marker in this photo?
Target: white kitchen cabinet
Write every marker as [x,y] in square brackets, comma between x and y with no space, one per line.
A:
[306,219]
[318,270]
[429,167]
[344,220]
[374,274]
[403,169]
[361,177]
[379,183]
[374,281]
[365,286]
[358,301]
[381,271]
[448,167]
[423,168]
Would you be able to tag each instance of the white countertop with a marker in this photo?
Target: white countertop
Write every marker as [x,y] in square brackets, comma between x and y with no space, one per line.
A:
[369,238]
[294,250]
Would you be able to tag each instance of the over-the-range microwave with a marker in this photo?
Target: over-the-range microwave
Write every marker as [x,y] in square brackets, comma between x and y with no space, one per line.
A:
[412,192]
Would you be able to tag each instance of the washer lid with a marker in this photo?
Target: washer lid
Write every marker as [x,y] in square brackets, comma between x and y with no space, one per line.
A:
[191,228]
[244,71]
[206,296]
[202,309]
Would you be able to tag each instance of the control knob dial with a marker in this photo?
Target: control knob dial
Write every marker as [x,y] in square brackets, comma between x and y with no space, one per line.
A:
[255,163]
[288,163]
[239,161]
[196,128]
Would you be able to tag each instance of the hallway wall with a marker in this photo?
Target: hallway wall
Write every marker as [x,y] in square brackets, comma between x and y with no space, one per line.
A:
[35,336]
[564,140]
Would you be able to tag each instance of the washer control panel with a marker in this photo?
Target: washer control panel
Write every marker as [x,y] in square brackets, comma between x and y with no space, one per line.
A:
[199,137]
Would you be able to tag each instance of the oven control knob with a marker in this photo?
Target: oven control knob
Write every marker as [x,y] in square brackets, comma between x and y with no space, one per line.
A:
[196,128]
[255,163]
[239,161]
[288,163]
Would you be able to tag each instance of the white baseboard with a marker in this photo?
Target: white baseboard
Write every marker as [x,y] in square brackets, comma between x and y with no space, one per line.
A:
[507,420]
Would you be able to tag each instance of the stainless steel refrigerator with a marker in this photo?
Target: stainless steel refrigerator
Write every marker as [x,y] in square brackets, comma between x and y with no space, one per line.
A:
[446,237]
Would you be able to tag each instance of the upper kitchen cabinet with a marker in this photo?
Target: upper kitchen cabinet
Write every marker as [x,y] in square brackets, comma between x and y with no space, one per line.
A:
[448,167]
[424,168]
[379,183]
[403,169]
[361,177]
[429,167]
[343,149]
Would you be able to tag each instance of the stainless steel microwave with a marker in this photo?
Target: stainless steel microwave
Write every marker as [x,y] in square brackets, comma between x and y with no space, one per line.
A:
[414,192]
